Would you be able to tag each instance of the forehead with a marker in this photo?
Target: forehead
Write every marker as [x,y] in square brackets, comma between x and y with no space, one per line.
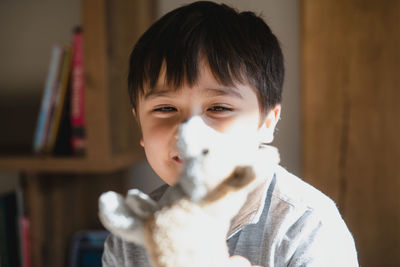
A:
[205,81]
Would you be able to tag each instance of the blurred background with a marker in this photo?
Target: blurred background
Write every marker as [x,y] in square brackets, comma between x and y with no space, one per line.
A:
[339,128]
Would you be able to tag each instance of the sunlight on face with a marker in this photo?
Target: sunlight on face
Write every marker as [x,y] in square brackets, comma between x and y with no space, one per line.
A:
[232,111]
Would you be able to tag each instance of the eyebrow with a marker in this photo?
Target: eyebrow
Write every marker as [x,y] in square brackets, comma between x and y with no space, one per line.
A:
[220,91]
[159,92]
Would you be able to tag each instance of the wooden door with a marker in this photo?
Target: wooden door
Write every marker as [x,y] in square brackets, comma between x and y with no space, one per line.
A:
[351,117]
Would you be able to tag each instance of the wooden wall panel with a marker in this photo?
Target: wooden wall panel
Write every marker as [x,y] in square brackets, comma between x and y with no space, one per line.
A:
[126,21]
[351,124]
[111,29]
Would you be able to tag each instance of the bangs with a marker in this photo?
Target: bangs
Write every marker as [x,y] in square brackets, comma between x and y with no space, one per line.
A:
[203,35]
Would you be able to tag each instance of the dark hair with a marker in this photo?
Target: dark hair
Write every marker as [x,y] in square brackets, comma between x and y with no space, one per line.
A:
[239,47]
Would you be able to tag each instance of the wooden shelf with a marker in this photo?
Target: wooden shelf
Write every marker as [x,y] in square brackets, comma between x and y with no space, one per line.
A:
[68,164]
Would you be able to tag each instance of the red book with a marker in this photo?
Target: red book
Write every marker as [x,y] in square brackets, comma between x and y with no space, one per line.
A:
[78,139]
[25,241]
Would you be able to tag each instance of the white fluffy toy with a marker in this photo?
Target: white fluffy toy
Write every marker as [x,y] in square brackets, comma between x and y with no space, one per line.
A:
[189,226]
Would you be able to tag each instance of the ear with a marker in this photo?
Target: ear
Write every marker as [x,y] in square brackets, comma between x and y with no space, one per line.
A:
[268,127]
[138,121]
[134,113]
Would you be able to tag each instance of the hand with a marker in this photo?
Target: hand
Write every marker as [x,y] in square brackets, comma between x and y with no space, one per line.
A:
[239,261]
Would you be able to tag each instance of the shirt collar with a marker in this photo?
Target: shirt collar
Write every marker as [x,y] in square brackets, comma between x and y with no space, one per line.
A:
[252,209]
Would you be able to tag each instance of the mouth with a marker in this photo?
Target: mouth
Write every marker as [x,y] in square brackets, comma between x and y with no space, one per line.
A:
[178,159]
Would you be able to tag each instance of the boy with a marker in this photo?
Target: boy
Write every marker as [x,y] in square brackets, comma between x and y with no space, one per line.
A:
[208,60]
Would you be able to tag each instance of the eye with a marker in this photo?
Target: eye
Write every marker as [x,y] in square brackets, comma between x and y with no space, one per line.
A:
[219,108]
[164,109]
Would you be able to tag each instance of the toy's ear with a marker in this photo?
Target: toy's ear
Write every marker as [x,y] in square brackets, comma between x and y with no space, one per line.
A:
[118,218]
[267,129]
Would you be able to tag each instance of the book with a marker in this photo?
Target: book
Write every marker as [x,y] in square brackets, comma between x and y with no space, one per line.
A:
[14,230]
[4,255]
[78,140]
[59,100]
[47,99]
[23,228]
[62,145]
[25,247]
[9,230]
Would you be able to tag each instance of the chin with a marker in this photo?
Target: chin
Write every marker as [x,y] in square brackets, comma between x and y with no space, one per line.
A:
[170,178]
[171,181]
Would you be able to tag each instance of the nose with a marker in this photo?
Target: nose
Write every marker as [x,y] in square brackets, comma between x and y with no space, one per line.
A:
[194,137]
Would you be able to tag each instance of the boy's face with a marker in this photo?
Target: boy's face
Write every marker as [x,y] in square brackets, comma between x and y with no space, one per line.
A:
[229,110]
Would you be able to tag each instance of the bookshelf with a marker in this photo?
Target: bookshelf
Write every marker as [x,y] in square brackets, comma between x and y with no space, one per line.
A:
[60,193]
[110,30]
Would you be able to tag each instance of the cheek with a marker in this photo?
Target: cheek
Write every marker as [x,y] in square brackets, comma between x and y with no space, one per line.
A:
[221,125]
[246,124]
[158,138]
[153,139]
[154,147]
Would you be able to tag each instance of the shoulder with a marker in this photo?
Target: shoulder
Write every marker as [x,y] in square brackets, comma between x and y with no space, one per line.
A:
[295,204]
[301,195]
[307,225]
[295,200]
